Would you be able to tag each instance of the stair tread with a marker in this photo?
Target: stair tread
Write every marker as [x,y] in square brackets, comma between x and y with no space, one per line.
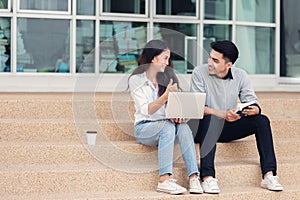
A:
[246,192]
[77,143]
[97,165]
[118,95]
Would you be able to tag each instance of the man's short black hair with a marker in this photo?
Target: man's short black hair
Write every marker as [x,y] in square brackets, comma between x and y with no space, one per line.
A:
[227,48]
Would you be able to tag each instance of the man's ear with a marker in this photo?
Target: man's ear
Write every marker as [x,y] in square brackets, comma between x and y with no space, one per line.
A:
[229,64]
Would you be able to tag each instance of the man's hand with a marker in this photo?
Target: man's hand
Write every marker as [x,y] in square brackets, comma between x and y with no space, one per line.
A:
[250,110]
[232,116]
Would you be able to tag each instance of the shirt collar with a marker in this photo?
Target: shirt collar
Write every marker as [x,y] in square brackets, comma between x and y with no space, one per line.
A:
[228,75]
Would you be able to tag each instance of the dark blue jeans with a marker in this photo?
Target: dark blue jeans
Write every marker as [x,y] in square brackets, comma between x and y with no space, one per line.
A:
[211,130]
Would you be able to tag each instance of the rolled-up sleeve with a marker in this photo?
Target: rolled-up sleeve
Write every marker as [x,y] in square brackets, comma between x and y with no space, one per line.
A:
[247,93]
[138,95]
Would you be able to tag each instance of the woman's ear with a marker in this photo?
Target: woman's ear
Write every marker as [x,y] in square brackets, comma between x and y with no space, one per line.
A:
[154,59]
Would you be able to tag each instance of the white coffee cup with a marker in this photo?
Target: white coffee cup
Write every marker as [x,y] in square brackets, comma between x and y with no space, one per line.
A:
[91,137]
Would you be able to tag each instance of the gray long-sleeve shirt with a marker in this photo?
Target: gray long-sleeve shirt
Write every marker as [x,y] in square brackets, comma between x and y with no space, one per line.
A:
[222,94]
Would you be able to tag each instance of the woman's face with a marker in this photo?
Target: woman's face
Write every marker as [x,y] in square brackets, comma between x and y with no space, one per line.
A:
[160,61]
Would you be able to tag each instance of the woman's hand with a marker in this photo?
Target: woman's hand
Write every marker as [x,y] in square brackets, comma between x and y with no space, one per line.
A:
[172,87]
[179,120]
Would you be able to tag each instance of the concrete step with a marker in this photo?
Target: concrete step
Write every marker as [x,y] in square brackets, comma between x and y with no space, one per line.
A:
[92,178]
[38,130]
[227,193]
[63,152]
[117,106]
[44,152]
[56,130]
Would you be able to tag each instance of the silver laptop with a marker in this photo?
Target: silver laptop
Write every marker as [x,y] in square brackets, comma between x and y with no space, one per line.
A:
[185,105]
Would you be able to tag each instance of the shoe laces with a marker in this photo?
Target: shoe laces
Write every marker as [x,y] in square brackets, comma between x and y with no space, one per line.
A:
[212,182]
[195,181]
[273,180]
[172,180]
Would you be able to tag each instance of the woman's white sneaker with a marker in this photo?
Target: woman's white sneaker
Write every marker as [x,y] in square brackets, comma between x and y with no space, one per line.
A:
[271,183]
[210,185]
[195,186]
[171,187]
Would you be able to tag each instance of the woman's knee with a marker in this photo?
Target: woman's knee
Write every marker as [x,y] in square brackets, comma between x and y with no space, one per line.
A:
[168,130]
[184,131]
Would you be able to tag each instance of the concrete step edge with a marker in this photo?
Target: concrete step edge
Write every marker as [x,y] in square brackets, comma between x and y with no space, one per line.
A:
[227,193]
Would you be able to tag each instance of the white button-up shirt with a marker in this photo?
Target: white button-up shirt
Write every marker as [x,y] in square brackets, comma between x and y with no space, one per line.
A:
[143,92]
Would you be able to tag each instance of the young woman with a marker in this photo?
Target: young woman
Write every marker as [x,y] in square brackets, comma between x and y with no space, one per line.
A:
[150,84]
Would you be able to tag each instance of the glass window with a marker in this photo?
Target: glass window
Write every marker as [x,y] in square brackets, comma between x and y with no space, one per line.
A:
[3,4]
[124,6]
[213,33]
[257,49]
[290,39]
[5,44]
[181,39]
[176,7]
[43,45]
[120,44]
[85,44]
[255,11]
[49,5]
[86,7]
[218,9]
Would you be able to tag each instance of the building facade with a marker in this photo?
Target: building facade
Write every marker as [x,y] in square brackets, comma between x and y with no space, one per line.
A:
[58,45]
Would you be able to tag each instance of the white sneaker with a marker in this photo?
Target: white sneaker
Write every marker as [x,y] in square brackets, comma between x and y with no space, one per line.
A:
[195,186]
[170,186]
[271,183]
[210,185]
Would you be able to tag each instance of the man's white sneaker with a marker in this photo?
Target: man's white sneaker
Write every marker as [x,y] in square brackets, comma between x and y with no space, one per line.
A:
[210,185]
[271,183]
[170,186]
[195,186]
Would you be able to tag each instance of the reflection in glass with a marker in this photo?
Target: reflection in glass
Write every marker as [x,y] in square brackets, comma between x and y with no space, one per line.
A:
[219,10]
[255,11]
[176,7]
[213,33]
[5,41]
[3,4]
[85,44]
[290,39]
[182,41]
[50,5]
[124,6]
[43,45]
[257,49]
[120,45]
[86,7]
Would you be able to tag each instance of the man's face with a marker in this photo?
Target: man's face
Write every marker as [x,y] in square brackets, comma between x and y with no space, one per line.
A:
[217,65]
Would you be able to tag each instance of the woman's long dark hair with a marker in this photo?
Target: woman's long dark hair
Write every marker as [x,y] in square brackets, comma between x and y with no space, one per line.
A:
[154,48]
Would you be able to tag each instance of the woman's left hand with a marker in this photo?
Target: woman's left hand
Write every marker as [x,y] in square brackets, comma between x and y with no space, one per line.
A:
[178,120]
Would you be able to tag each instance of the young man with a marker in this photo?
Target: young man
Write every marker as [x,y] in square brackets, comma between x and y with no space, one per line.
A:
[223,85]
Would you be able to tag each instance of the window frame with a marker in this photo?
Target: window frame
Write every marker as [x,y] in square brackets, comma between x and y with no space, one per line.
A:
[8,9]
[146,15]
[160,16]
[68,12]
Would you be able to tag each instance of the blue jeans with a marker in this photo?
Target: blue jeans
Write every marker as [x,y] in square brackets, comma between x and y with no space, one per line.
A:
[163,133]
